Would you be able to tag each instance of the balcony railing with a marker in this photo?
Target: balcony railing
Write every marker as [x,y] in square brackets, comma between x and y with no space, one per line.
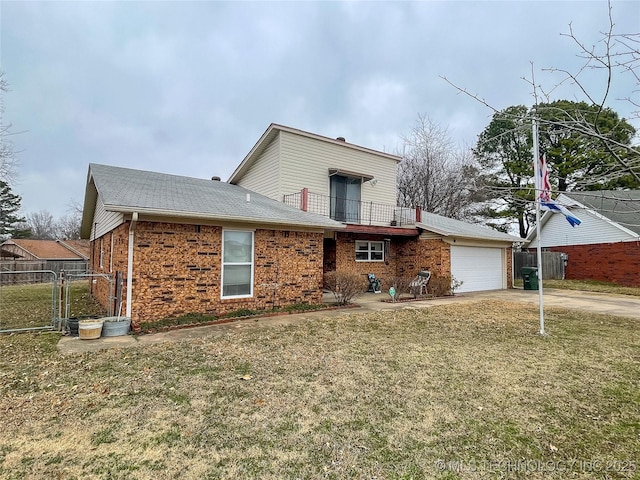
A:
[352,211]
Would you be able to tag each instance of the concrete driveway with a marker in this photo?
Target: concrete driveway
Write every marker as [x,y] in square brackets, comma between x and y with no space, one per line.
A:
[610,304]
[622,305]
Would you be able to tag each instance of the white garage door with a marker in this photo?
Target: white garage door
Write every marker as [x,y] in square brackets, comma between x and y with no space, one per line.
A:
[480,268]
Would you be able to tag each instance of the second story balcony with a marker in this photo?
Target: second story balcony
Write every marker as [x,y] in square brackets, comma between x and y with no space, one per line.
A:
[353,211]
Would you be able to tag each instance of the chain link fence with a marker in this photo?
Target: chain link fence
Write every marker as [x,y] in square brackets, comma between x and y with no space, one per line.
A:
[40,300]
[81,293]
[29,300]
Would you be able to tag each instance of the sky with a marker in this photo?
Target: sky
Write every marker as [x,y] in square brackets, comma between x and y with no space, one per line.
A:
[189,87]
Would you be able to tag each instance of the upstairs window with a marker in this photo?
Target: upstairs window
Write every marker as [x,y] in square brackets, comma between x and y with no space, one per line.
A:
[369,251]
[345,198]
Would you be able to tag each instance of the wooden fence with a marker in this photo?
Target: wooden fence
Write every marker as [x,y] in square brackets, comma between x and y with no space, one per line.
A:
[552,264]
[37,266]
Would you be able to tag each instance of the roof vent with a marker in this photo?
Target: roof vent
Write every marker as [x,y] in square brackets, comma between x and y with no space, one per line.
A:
[215,179]
[341,139]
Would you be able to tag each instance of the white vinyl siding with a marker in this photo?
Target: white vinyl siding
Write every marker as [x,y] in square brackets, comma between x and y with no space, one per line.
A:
[237,264]
[305,162]
[557,232]
[263,176]
[104,221]
[479,268]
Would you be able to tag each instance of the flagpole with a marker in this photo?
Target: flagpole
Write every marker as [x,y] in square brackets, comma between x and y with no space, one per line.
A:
[536,172]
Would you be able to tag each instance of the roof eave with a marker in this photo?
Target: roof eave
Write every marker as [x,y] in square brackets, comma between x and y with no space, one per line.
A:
[224,218]
[274,127]
[89,206]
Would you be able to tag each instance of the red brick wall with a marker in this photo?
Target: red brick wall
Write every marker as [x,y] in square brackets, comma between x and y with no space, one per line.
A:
[101,288]
[608,262]
[345,258]
[177,269]
[433,255]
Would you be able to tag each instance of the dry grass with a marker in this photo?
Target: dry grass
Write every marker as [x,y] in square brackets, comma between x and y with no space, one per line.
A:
[384,395]
[587,286]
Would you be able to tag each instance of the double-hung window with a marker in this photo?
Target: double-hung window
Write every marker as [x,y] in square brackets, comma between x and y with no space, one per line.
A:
[237,264]
[369,251]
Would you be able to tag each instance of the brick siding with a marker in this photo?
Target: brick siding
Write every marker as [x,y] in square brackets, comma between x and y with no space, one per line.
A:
[177,269]
[424,254]
[608,262]
[345,257]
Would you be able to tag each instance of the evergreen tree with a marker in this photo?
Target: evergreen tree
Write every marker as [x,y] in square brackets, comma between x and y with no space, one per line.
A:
[9,207]
[580,141]
[504,154]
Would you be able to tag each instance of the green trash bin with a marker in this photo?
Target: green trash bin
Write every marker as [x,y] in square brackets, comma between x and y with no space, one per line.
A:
[530,277]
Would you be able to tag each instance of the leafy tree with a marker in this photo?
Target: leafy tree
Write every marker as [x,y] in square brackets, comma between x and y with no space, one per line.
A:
[504,152]
[567,124]
[433,175]
[577,158]
[9,207]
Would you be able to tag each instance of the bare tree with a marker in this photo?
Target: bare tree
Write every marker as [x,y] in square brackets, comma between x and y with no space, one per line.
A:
[433,174]
[7,153]
[42,225]
[67,227]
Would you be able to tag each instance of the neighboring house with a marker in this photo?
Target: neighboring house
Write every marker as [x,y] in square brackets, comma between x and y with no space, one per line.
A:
[357,186]
[606,245]
[56,255]
[198,246]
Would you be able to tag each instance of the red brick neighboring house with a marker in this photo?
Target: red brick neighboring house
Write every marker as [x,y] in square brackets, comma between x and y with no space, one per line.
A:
[606,246]
[188,245]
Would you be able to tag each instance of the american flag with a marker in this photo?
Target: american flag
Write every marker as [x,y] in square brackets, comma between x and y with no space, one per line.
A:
[543,190]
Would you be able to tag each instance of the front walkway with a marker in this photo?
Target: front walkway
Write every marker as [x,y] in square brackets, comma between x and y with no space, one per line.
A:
[620,305]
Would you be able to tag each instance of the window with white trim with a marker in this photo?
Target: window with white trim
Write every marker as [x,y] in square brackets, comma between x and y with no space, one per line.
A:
[237,264]
[369,251]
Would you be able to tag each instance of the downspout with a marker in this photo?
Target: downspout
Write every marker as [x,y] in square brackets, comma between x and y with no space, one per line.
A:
[132,226]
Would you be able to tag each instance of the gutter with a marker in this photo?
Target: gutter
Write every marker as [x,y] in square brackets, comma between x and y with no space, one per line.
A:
[333,225]
[132,227]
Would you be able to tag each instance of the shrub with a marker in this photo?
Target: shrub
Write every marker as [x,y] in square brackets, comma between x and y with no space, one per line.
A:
[400,284]
[440,286]
[344,286]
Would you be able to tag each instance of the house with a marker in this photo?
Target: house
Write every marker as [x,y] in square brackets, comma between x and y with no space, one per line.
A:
[357,186]
[298,205]
[606,245]
[55,255]
[197,246]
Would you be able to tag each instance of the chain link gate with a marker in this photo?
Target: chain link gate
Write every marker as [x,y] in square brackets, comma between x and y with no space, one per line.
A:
[29,300]
[81,292]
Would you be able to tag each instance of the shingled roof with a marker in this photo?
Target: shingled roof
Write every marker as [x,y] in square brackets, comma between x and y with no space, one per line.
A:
[127,190]
[44,249]
[449,227]
[619,206]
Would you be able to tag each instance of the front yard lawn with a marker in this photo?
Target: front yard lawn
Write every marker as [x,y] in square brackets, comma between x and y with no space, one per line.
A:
[459,391]
[587,286]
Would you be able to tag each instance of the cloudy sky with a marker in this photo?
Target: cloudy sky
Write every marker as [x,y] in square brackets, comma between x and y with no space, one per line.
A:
[188,87]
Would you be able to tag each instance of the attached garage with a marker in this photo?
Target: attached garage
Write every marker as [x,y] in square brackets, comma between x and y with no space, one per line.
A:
[476,255]
[479,268]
